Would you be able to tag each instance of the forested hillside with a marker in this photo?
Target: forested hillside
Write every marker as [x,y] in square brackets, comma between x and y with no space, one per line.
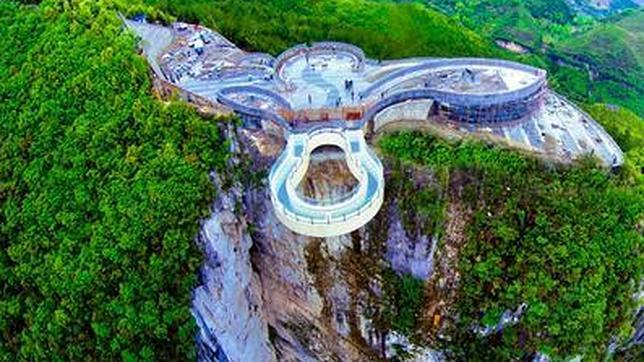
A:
[527,242]
[101,192]
[614,53]
[590,60]
[530,22]
[103,186]
[382,28]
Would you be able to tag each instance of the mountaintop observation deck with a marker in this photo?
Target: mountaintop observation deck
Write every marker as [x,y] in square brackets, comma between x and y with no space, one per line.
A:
[331,91]
[333,80]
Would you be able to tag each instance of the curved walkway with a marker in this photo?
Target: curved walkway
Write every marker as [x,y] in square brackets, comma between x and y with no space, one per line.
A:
[326,219]
[224,97]
[334,83]
[435,65]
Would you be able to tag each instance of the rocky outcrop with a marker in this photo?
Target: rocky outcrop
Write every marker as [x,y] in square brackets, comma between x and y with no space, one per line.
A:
[407,254]
[227,304]
[267,293]
[308,301]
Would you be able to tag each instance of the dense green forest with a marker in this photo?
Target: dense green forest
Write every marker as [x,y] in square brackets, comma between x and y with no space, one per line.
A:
[102,186]
[101,192]
[528,22]
[613,51]
[527,241]
[383,29]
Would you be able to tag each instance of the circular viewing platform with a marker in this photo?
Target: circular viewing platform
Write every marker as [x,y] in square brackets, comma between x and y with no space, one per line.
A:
[332,217]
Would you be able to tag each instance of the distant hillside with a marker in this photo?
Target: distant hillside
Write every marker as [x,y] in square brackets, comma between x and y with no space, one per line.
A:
[603,8]
[634,27]
[530,22]
[614,53]
[615,47]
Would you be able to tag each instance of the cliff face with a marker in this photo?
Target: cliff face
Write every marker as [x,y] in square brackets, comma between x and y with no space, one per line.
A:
[227,306]
[267,293]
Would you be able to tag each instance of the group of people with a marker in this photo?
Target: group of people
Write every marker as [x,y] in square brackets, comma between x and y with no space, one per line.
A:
[348,87]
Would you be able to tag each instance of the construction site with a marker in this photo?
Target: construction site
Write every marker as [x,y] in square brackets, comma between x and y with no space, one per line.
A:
[331,91]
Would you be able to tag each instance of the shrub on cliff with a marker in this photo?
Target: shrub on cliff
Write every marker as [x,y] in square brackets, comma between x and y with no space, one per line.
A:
[564,240]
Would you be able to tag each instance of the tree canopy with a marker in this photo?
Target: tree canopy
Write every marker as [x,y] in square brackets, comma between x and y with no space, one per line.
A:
[562,239]
[383,29]
[101,191]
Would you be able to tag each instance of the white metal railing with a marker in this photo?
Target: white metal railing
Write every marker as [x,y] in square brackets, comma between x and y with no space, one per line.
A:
[433,64]
[328,220]
[358,204]
[315,138]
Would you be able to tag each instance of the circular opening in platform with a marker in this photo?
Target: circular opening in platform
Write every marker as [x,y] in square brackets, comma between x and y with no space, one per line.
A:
[328,180]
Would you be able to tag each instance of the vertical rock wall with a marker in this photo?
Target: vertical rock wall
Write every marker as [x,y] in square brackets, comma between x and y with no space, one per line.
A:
[267,293]
[305,287]
[227,306]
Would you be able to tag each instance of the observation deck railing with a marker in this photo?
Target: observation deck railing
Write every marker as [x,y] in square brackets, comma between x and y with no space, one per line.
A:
[448,98]
[223,98]
[461,62]
[365,159]
[326,46]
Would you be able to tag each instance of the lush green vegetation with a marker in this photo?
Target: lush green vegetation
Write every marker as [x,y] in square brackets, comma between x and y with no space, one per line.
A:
[610,49]
[419,202]
[383,29]
[403,299]
[628,131]
[614,52]
[625,126]
[101,191]
[561,239]
[532,23]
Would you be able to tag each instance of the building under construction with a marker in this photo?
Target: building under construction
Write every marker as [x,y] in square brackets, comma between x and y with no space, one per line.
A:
[334,82]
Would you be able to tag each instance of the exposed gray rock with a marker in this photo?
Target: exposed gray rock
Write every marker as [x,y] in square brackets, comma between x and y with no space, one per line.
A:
[397,343]
[267,293]
[408,255]
[508,318]
[294,306]
[227,305]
